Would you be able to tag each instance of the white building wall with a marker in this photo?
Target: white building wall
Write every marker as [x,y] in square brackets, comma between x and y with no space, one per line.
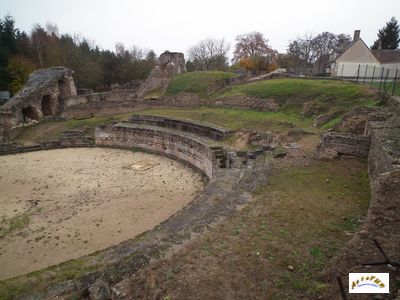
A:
[393,66]
[348,69]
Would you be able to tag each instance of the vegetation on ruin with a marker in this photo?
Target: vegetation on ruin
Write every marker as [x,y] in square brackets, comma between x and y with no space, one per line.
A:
[236,119]
[325,96]
[274,248]
[201,83]
[154,94]
[52,130]
[293,93]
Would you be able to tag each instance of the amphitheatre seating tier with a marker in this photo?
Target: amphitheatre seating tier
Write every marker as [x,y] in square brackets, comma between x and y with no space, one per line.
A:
[182,146]
[212,132]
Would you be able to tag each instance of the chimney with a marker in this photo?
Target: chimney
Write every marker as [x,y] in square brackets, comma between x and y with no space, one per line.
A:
[380,45]
[356,35]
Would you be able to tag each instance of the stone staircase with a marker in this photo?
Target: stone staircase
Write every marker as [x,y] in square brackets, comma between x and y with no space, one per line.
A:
[219,155]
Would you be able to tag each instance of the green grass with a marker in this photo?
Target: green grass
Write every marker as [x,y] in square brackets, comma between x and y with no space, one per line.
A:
[329,95]
[52,130]
[153,94]
[233,118]
[386,87]
[7,226]
[200,82]
[277,245]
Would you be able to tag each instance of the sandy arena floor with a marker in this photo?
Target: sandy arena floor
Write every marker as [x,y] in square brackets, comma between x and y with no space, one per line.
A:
[61,204]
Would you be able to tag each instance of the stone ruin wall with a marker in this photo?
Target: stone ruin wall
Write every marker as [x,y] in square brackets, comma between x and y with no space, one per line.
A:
[119,101]
[41,97]
[68,139]
[383,217]
[333,144]
[180,147]
[209,131]
[168,65]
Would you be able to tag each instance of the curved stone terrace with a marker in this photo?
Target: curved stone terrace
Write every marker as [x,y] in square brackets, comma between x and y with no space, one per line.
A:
[227,189]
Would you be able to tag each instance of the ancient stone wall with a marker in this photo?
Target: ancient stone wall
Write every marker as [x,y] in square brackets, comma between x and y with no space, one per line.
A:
[43,94]
[383,218]
[209,131]
[186,148]
[168,65]
[110,97]
[394,102]
[333,144]
[247,102]
[72,138]
[381,158]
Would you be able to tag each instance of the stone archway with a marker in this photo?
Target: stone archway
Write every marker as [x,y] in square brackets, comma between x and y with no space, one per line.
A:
[29,113]
[47,106]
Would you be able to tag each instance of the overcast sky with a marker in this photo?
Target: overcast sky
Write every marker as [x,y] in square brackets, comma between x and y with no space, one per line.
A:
[175,25]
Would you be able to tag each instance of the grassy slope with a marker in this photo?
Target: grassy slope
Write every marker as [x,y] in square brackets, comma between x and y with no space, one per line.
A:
[236,119]
[301,218]
[327,96]
[51,130]
[291,94]
[199,82]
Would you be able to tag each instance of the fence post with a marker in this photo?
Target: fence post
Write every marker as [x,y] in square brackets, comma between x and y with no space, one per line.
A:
[373,74]
[365,74]
[385,83]
[394,82]
[358,72]
[380,83]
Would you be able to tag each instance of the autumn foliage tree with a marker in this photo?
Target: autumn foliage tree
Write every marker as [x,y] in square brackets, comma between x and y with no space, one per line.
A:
[252,52]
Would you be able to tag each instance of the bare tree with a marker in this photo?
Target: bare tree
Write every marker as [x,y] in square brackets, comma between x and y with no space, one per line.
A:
[39,39]
[307,48]
[137,53]
[326,41]
[52,29]
[209,54]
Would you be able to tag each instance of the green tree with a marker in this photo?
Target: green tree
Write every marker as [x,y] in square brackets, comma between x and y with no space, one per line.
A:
[7,48]
[18,70]
[388,36]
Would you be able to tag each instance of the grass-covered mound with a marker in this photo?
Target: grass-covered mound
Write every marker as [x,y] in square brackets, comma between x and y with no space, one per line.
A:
[236,119]
[201,83]
[291,94]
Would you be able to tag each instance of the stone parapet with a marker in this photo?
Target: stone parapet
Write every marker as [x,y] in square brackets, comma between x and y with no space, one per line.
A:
[209,131]
[333,144]
[180,146]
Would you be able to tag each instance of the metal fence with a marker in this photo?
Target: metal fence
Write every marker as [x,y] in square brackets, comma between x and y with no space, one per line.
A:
[384,79]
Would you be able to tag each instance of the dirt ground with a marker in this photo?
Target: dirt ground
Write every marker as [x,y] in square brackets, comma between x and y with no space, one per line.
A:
[61,204]
[277,246]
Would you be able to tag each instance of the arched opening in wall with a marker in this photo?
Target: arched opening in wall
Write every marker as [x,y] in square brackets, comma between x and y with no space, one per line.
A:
[29,114]
[47,108]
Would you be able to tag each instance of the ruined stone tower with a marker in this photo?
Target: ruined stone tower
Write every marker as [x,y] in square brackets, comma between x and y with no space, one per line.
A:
[168,65]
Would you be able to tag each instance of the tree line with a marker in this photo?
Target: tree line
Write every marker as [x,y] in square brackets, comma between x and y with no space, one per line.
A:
[253,53]
[22,53]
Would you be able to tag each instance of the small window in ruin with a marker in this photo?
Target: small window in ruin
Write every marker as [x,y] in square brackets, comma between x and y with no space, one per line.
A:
[29,114]
[47,109]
